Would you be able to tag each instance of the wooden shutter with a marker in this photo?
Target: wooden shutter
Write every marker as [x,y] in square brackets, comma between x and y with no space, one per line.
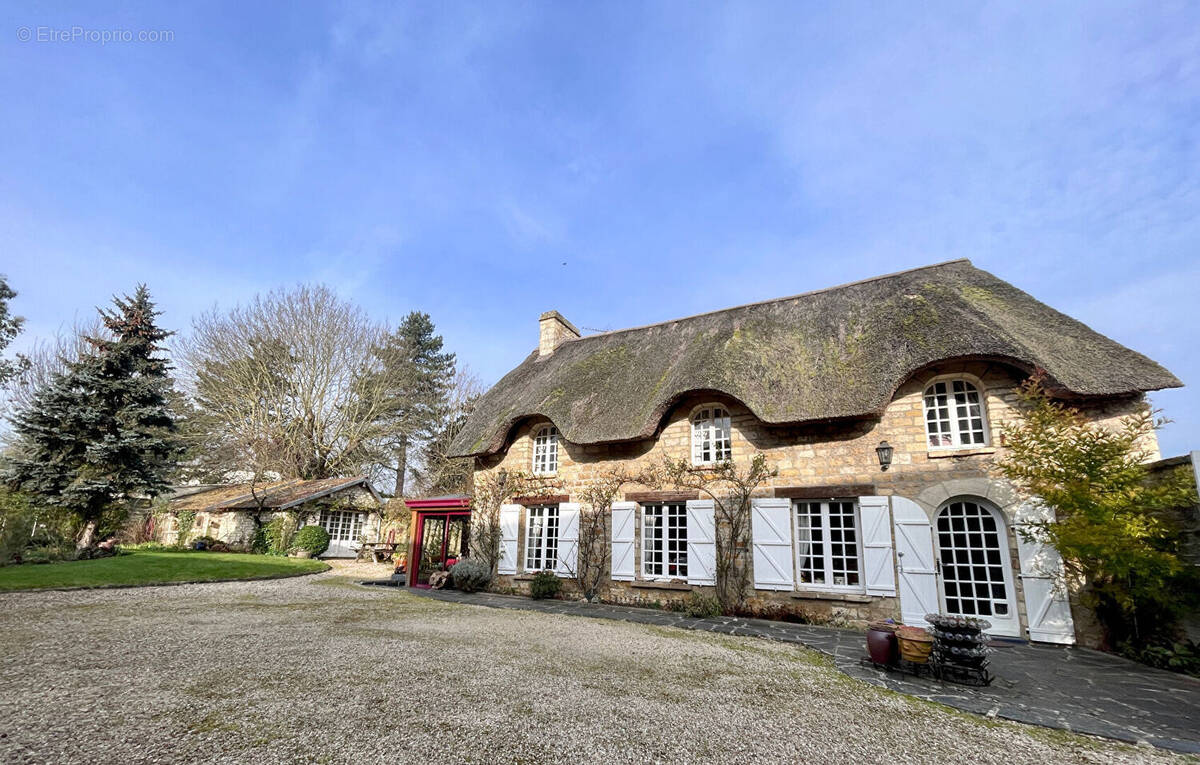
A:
[510,521]
[876,518]
[568,539]
[701,542]
[914,562]
[1046,606]
[622,540]
[771,526]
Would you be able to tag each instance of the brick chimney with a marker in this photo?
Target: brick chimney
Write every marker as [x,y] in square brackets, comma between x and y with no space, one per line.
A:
[553,330]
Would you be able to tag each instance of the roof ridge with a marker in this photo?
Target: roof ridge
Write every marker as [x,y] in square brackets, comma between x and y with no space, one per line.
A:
[775,300]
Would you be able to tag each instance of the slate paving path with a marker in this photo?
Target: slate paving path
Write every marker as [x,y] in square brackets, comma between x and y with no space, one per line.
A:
[1073,689]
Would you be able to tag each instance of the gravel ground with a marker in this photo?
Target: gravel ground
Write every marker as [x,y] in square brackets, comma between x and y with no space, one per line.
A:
[318,669]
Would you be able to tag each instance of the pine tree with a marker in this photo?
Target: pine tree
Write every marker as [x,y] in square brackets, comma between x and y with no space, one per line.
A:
[100,434]
[10,327]
[418,376]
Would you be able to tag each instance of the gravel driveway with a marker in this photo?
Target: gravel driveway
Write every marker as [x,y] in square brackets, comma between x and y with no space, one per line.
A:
[318,669]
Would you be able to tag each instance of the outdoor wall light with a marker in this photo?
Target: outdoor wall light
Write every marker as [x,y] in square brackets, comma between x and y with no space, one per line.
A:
[885,455]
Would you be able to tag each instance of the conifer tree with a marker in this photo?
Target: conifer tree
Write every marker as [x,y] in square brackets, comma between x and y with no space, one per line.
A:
[418,377]
[100,434]
[10,327]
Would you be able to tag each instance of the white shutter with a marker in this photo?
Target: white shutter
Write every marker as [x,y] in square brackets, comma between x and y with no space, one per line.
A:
[568,539]
[876,519]
[622,540]
[1047,609]
[701,542]
[510,521]
[771,525]
[914,562]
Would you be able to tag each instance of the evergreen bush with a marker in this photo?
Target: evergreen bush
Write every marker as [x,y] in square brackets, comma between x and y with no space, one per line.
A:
[471,575]
[315,539]
[544,585]
[701,605]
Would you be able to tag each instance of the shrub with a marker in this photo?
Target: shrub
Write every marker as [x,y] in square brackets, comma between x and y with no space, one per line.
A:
[186,520]
[544,585]
[702,605]
[471,575]
[278,534]
[315,539]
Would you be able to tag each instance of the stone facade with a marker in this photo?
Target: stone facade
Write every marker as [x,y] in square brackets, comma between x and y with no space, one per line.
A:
[237,527]
[839,455]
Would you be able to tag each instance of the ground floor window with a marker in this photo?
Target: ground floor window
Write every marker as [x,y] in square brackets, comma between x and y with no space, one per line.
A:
[342,525]
[827,545]
[664,541]
[541,538]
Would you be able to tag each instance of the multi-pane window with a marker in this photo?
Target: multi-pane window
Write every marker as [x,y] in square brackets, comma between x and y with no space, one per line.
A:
[827,545]
[545,451]
[541,537]
[710,436]
[664,541]
[954,415]
[342,525]
[969,541]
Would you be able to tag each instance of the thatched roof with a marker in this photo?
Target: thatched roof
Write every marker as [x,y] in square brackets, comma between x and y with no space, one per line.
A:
[835,353]
[279,495]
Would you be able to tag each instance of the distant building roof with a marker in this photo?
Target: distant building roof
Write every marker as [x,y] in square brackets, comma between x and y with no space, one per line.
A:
[277,495]
[834,353]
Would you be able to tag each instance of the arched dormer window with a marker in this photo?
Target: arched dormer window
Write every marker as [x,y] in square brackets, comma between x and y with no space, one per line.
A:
[545,451]
[710,435]
[954,415]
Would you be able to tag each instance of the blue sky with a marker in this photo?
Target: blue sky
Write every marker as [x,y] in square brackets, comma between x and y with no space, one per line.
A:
[621,163]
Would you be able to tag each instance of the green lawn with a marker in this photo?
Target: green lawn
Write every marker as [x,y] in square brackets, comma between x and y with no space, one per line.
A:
[145,567]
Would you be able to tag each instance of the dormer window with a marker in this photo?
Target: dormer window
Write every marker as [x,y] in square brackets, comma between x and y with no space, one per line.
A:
[710,436]
[954,416]
[545,451]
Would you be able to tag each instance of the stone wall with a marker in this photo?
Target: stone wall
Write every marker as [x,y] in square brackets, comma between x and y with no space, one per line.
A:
[838,454]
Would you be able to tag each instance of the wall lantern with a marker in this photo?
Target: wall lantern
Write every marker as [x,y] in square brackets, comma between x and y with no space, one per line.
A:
[885,455]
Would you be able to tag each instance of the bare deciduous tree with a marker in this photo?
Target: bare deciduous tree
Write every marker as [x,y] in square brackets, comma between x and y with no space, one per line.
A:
[730,489]
[287,385]
[595,548]
[439,472]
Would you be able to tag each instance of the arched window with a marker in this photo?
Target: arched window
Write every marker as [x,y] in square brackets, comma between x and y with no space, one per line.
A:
[545,451]
[954,415]
[710,436]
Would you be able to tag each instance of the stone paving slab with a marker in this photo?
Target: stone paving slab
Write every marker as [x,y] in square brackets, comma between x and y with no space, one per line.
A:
[1063,687]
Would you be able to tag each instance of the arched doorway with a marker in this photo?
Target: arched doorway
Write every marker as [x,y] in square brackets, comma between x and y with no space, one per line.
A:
[974,564]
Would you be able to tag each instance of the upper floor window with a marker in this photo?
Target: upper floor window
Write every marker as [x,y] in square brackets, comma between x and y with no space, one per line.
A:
[827,545]
[545,451]
[954,415]
[541,538]
[710,436]
[664,541]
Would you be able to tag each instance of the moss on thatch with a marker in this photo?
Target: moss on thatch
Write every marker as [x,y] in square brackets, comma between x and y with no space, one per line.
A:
[835,353]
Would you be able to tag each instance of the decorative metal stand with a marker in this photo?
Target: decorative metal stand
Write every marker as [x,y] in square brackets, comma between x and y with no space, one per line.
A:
[960,653]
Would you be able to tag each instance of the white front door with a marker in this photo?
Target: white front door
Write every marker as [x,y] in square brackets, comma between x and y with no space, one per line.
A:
[345,528]
[976,571]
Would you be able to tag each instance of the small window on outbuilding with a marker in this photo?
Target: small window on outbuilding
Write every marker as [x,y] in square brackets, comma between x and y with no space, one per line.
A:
[545,451]
[711,436]
[954,415]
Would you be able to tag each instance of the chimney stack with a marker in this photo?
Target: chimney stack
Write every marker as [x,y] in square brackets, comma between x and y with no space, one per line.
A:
[553,330]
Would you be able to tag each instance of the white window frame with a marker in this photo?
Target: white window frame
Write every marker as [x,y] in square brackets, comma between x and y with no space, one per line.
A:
[953,415]
[341,522]
[660,545]
[545,543]
[711,427]
[827,550]
[545,450]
